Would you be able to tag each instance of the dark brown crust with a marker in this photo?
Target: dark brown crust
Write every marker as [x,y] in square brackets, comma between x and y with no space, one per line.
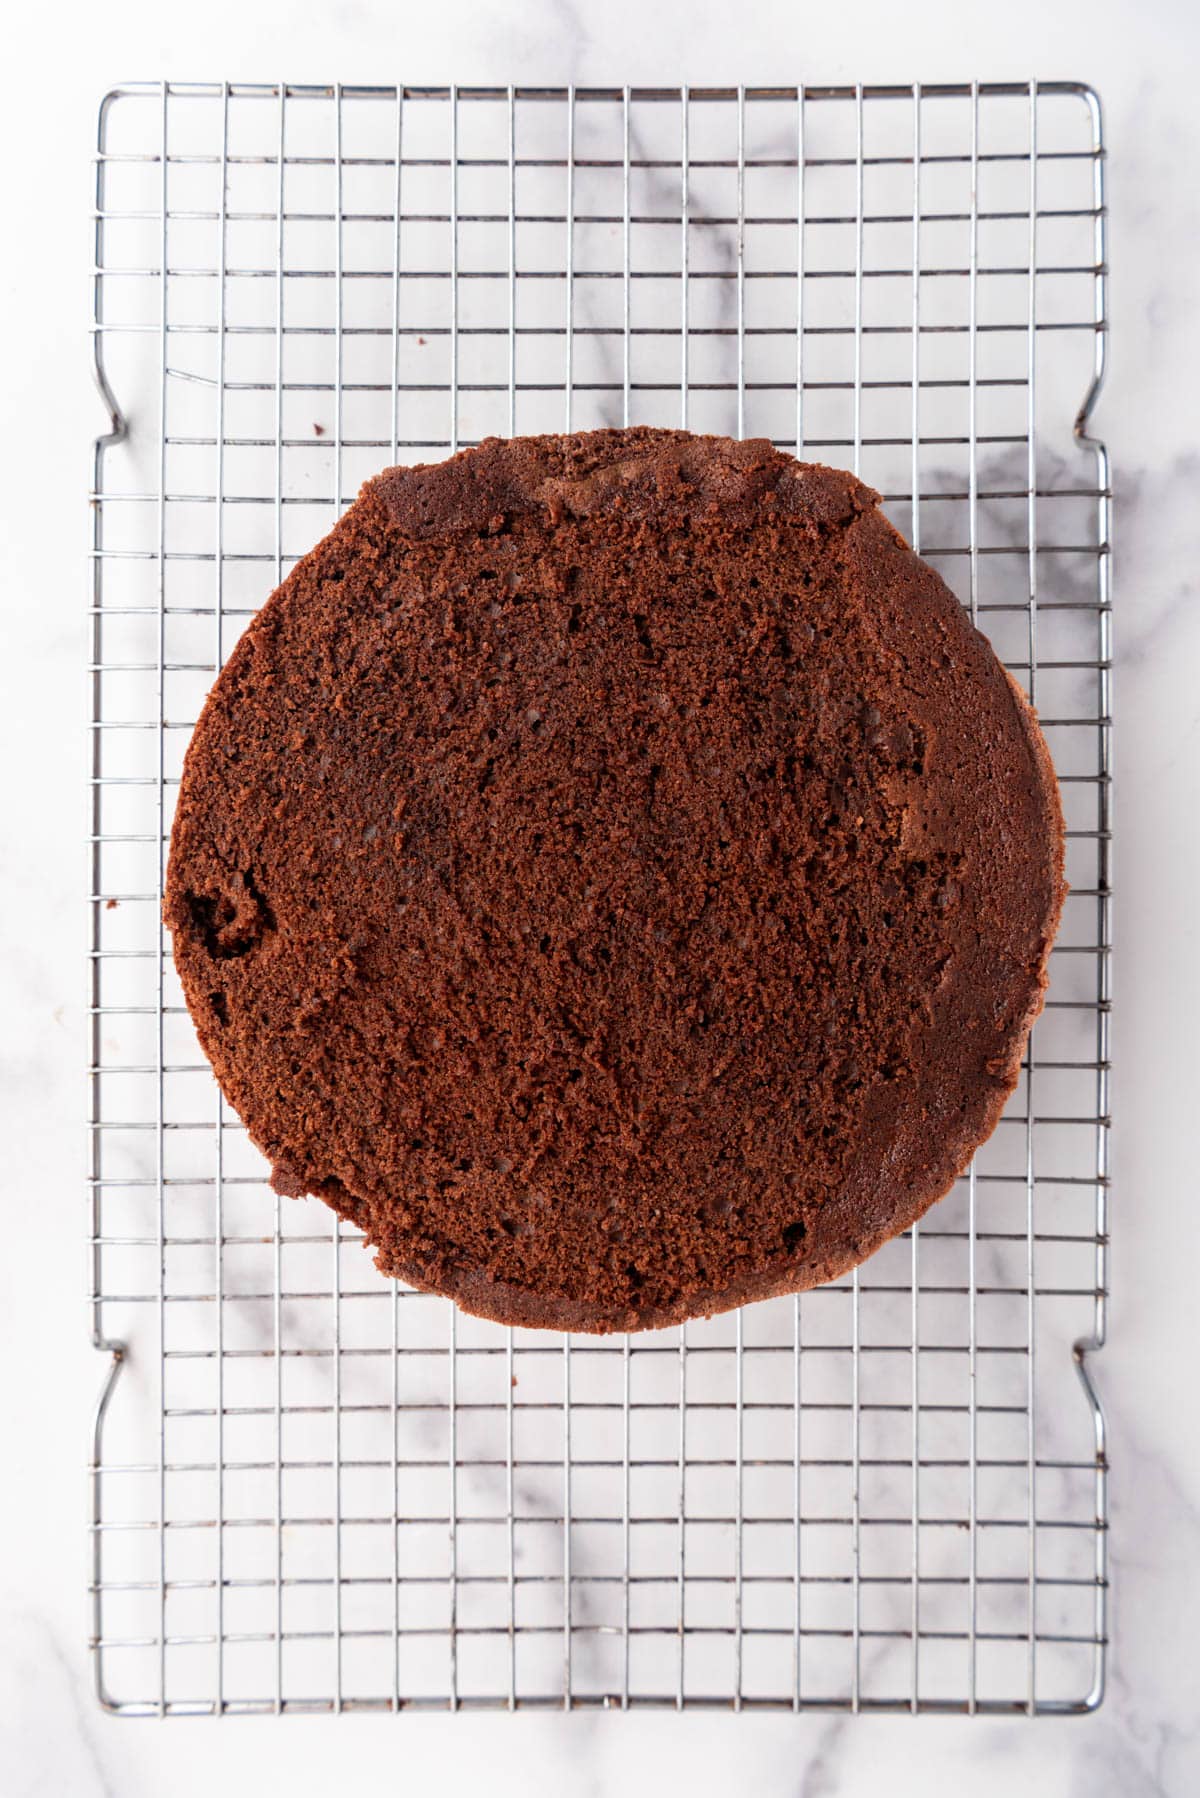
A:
[874,767]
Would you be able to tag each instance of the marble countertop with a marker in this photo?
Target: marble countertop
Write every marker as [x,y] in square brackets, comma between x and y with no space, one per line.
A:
[1146,1738]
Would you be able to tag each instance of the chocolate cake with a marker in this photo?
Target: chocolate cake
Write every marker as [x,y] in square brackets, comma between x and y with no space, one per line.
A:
[613,872]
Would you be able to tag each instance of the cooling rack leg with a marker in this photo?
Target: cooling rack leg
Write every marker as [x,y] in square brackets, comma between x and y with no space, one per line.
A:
[115,1350]
[1089,1345]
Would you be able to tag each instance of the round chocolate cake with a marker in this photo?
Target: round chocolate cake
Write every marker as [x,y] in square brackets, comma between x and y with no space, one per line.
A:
[613,872]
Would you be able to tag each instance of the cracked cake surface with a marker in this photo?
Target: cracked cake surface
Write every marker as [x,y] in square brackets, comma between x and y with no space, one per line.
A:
[612,871]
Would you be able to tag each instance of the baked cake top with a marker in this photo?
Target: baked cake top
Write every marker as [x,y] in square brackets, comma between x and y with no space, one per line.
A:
[612,871]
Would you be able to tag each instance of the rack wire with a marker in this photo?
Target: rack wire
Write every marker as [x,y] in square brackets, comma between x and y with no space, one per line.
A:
[311,1488]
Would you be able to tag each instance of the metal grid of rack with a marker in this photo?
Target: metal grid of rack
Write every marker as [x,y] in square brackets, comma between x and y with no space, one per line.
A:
[313,1488]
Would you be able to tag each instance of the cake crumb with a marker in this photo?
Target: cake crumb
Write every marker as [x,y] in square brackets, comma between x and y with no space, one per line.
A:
[589,1014]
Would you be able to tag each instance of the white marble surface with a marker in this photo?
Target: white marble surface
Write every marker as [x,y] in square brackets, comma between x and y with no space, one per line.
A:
[1147,1737]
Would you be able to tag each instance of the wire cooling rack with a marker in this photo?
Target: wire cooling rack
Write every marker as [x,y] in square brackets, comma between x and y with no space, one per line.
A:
[313,1489]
